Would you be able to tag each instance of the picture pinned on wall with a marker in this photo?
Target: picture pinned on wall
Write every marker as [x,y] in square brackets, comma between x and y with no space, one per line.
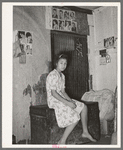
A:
[22,44]
[66,15]
[22,41]
[54,13]
[22,47]
[29,43]
[67,25]
[61,24]
[61,14]
[16,45]
[74,26]
[29,37]
[72,15]
[102,61]
[19,42]
[109,42]
[102,56]
[60,19]
[55,24]
[29,49]
[22,37]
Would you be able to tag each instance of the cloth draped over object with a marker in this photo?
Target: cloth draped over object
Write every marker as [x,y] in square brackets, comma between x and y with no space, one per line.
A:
[105,98]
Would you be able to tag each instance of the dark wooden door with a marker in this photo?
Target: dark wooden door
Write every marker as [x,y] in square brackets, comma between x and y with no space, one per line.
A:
[76,74]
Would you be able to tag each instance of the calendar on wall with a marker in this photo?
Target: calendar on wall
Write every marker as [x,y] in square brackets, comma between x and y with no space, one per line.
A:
[60,19]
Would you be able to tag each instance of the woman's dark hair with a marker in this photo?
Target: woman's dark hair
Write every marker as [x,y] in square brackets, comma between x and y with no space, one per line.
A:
[28,34]
[19,34]
[60,56]
[55,21]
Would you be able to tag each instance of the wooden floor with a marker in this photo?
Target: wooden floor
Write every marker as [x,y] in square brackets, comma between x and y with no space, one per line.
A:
[104,140]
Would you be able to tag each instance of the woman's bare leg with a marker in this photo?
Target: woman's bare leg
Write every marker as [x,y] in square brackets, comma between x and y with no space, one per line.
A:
[84,120]
[67,132]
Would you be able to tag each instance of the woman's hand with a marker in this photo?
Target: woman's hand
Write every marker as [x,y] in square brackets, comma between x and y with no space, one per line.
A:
[72,104]
[72,101]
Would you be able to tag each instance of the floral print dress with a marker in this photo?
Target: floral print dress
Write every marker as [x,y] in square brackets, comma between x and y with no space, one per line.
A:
[65,115]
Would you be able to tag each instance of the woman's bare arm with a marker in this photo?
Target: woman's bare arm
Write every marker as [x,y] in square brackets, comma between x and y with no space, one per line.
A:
[66,96]
[64,100]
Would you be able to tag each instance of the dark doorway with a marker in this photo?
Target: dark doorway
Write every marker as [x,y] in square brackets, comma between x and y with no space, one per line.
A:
[76,74]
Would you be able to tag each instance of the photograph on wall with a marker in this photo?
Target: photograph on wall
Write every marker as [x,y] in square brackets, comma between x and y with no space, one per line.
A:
[67,25]
[72,15]
[19,43]
[22,41]
[22,47]
[61,14]
[66,15]
[22,37]
[74,26]
[16,45]
[109,42]
[29,43]
[55,24]
[29,49]
[55,13]
[29,37]
[61,24]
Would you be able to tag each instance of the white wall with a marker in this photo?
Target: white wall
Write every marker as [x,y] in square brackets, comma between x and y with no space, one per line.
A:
[28,19]
[102,24]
